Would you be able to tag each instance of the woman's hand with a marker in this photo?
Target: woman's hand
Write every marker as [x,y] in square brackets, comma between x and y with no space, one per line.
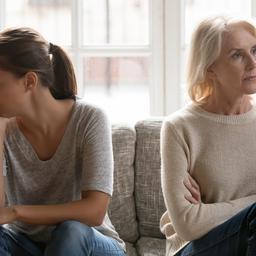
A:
[5,123]
[194,189]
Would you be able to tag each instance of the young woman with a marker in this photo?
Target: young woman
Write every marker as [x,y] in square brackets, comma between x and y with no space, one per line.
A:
[209,147]
[56,156]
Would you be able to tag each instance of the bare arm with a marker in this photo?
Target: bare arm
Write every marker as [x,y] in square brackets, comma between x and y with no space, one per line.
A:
[2,193]
[3,126]
[90,210]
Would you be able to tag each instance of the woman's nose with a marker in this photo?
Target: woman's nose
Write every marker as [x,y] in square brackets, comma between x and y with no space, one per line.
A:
[251,62]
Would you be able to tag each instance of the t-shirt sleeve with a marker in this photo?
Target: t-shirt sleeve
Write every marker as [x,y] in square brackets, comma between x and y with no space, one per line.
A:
[97,153]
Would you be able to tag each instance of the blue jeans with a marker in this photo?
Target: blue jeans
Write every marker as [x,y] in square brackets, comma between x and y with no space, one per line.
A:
[235,237]
[70,238]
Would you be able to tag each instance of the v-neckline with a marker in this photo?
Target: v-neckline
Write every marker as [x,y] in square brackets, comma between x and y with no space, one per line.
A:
[60,145]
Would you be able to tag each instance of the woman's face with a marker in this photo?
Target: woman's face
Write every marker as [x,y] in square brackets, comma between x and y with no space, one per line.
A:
[234,72]
[12,91]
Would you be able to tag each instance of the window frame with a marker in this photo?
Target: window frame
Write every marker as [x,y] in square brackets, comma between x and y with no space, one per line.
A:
[174,34]
[2,14]
[155,49]
[166,38]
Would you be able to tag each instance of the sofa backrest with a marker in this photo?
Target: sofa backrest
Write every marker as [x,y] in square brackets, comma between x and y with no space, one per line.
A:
[137,203]
[122,206]
[148,193]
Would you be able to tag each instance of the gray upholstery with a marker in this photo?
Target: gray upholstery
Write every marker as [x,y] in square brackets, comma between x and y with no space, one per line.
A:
[148,194]
[122,206]
[137,203]
[148,246]
[130,250]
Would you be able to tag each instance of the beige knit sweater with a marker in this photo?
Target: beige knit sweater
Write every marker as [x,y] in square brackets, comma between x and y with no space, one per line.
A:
[219,151]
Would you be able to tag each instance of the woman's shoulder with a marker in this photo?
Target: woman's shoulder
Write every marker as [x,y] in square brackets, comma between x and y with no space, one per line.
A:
[182,116]
[89,119]
[85,110]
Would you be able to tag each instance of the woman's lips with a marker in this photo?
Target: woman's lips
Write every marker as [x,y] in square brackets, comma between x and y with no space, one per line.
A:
[250,78]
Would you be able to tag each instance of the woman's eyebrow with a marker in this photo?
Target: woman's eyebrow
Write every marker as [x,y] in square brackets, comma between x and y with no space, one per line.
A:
[235,49]
[239,49]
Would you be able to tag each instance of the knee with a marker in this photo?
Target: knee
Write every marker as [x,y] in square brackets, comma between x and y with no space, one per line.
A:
[70,238]
[73,229]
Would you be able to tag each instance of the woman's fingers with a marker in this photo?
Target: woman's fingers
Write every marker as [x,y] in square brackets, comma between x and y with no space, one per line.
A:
[196,194]
[194,190]
[193,182]
[191,199]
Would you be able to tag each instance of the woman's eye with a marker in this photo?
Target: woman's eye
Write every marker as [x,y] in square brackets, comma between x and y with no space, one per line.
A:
[237,55]
[254,51]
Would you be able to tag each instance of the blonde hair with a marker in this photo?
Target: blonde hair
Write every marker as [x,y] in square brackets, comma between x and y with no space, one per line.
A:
[205,48]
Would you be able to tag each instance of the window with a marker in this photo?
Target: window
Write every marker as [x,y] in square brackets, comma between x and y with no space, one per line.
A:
[52,18]
[116,47]
[129,55]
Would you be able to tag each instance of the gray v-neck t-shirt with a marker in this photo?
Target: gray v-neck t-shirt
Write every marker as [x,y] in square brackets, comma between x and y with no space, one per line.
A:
[83,161]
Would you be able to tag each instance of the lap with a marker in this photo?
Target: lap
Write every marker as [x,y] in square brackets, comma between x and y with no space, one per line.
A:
[68,237]
[229,238]
[17,244]
[75,236]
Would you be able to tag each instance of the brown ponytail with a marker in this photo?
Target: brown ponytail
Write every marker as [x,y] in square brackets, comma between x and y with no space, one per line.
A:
[65,80]
[23,50]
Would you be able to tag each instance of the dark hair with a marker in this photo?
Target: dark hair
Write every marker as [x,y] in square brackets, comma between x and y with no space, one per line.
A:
[23,50]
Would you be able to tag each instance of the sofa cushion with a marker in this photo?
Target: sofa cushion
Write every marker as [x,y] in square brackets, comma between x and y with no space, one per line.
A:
[148,193]
[122,205]
[130,250]
[147,246]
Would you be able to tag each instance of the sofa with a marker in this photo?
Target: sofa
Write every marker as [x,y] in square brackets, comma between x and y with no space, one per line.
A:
[137,203]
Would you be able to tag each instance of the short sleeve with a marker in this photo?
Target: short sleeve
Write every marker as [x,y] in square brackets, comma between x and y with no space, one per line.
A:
[97,154]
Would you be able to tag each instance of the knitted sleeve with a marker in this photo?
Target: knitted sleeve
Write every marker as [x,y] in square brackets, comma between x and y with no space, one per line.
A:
[190,221]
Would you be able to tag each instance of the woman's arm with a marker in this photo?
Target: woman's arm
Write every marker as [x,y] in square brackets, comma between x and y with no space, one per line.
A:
[3,126]
[191,221]
[2,193]
[90,210]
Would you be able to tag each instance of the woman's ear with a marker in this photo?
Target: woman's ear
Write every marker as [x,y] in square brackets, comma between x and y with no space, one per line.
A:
[31,80]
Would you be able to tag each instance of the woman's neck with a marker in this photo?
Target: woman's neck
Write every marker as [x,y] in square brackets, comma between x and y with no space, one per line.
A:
[45,114]
[227,107]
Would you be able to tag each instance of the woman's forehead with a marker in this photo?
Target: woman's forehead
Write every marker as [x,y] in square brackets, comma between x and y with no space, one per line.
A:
[238,37]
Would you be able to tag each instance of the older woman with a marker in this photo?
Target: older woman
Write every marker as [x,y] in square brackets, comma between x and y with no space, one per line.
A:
[209,147]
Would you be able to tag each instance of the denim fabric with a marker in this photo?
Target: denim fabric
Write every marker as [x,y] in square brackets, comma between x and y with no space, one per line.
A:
[70,238]
[235,237]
